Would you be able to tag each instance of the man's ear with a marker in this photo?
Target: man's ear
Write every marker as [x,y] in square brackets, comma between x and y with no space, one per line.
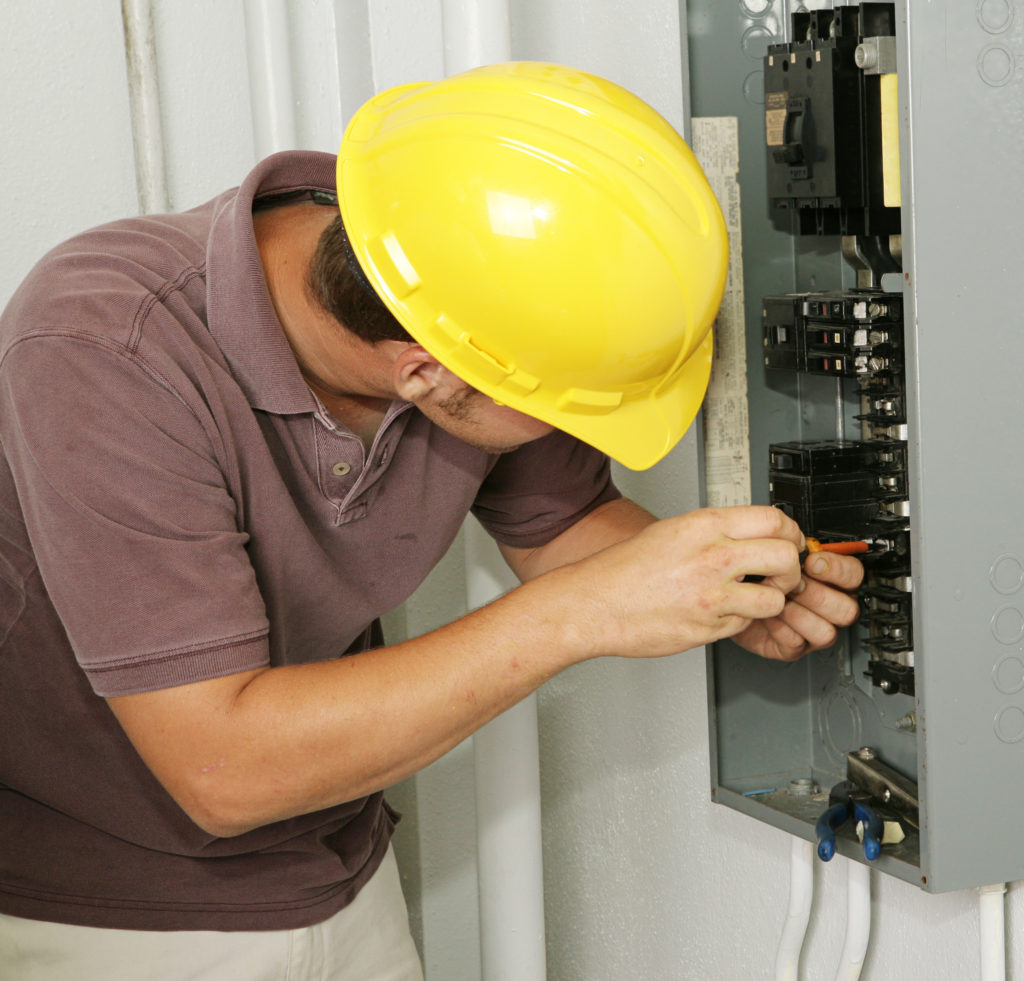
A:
[415,372]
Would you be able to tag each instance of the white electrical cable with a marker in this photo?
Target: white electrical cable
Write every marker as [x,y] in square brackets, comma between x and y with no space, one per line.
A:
[858,921]
[510,861]
[144,101]
[801,890]
[992,930]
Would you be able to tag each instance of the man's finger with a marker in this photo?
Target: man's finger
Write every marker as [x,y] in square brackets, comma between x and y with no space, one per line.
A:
[789,643]
[758,521]
[817,630]
[832,605]
[841,571]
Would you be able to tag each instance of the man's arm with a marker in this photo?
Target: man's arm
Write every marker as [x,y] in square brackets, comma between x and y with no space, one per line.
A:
[248,749]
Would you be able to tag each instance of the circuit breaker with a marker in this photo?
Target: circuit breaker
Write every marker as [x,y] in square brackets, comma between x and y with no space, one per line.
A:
[881,209]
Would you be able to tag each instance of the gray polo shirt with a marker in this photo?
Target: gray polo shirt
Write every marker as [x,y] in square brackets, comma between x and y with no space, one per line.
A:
[176,505]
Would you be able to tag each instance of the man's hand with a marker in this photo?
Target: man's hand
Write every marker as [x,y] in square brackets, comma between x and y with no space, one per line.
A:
[700,556]
[684,581]
[813,611]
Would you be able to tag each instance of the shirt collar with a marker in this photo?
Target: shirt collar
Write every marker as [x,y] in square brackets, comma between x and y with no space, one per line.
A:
[240,313]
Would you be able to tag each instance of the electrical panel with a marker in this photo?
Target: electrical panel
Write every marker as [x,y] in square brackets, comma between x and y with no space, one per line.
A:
[882,343]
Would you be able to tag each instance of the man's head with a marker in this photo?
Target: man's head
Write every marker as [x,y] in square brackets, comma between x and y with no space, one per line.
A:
[548,238]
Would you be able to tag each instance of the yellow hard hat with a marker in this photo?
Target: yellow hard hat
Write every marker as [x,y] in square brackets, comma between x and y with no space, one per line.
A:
[550,239]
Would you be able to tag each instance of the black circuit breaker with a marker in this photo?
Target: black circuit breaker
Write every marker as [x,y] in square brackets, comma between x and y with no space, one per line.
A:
[823,123]
[853,490]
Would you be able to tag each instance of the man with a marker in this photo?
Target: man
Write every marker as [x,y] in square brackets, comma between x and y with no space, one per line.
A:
[233,438]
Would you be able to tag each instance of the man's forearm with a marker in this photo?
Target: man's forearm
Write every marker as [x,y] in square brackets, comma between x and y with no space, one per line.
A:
[270,744]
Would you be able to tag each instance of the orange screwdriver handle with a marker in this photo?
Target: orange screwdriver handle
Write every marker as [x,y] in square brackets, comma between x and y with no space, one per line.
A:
[838,548]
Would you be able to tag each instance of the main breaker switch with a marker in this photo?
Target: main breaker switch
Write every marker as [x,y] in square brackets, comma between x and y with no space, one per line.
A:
[830,150]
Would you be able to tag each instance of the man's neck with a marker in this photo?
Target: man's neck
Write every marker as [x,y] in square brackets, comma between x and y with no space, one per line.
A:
[361,414]
[345,373]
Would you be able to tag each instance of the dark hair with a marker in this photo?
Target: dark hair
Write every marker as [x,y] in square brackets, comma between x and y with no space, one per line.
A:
[340,287]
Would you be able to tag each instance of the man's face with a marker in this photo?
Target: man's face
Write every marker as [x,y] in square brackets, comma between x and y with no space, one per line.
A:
[478,420]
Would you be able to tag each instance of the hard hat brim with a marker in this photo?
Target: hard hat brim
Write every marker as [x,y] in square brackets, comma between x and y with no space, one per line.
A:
[648,429]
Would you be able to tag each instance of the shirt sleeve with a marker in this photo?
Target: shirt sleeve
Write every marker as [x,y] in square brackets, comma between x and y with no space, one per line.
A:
[535,493]
[135,534]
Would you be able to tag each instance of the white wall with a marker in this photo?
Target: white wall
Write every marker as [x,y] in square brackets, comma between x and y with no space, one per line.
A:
[645,879]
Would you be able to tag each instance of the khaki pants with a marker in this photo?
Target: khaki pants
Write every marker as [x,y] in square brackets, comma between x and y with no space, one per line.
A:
[369,940]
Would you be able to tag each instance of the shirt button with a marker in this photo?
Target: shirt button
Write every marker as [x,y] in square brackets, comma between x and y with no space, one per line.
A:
[341,468]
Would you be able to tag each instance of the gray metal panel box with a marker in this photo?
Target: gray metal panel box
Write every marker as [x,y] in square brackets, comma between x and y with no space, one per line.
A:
[961,120]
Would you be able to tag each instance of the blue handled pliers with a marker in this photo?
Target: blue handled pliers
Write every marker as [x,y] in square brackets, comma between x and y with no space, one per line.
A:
[845,802]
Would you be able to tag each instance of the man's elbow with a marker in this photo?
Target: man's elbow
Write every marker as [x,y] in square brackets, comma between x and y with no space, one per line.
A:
[218,826]
[219,810]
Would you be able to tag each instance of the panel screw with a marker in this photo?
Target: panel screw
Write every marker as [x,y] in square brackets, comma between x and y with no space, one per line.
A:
[908,722]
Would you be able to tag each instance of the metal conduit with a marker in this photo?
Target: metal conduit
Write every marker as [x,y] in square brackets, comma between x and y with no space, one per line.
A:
[144,100]
[270,76]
